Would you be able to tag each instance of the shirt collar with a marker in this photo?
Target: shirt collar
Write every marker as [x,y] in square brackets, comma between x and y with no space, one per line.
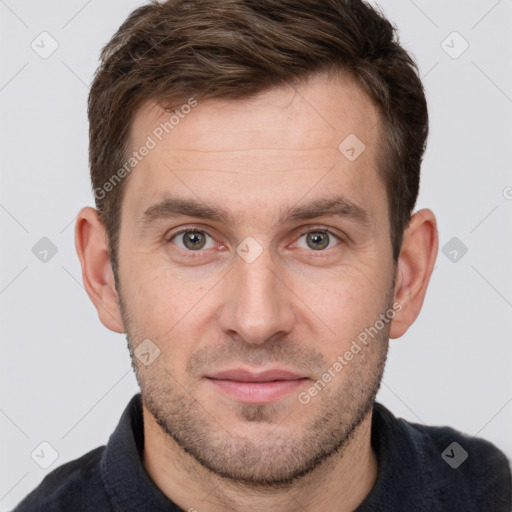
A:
[404,477]
[126,481]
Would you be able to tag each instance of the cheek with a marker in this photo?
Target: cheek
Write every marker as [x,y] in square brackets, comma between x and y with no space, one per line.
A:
[361,277]
[149,294]
[166,306]
[346,302]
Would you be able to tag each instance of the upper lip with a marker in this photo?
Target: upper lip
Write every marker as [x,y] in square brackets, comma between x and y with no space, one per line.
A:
[241,375]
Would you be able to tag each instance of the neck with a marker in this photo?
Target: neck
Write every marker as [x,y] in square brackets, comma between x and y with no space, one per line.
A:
[340,483]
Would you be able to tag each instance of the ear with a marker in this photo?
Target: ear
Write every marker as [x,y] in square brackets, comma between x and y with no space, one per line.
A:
[92,247]
[415,264]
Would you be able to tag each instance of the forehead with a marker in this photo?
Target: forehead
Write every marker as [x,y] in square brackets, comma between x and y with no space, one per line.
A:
[322,136]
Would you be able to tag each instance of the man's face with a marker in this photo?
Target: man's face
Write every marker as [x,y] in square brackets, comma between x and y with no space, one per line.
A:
[290,260]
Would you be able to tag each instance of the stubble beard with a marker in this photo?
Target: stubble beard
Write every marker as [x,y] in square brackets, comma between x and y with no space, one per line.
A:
[282,456]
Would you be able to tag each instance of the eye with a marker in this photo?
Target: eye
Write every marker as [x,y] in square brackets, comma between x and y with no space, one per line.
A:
[193,240]
[318,240]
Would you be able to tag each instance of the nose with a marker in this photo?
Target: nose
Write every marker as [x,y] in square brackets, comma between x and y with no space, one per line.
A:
[258,304]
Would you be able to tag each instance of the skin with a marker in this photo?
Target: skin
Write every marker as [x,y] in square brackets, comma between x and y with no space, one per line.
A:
[293,307]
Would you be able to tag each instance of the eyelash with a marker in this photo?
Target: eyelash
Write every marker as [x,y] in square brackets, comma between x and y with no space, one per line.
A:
[310,229]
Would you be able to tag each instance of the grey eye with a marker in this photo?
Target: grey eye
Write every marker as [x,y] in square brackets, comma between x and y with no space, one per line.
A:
[192,240]
[317,240]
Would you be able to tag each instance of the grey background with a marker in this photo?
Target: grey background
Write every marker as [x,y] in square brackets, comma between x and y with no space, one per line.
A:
[65,379]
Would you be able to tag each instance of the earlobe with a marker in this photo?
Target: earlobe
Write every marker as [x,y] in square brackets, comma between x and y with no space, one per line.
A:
[414,268]
[92,249]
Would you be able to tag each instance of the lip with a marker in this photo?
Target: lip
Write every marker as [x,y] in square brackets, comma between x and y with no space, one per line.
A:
[256,387]
[241,375]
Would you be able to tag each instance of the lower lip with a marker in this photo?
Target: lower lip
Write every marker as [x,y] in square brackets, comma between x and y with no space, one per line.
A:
[257,392]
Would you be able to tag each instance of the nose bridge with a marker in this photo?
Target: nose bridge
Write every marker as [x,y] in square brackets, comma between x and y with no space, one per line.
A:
[256,306]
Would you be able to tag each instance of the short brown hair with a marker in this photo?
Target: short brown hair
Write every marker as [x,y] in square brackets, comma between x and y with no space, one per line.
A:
[170,51]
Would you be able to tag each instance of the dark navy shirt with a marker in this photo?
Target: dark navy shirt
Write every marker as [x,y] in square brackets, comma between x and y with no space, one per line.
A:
[419,469]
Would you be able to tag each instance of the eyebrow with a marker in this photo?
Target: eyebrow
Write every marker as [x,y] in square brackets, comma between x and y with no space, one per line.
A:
[333,206]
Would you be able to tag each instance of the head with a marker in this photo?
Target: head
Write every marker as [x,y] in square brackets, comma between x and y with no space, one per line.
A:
[287,138]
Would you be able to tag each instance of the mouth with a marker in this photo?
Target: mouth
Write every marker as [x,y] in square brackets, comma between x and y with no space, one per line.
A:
[256,387]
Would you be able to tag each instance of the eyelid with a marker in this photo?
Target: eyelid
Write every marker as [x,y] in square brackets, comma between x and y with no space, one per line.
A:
[185,229]
[313,229]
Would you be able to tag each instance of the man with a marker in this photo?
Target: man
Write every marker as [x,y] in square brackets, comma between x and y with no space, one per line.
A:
[255,167]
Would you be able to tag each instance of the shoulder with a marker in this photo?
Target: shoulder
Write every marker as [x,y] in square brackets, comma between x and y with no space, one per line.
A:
[76,486]
[463,472]
[470,467]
